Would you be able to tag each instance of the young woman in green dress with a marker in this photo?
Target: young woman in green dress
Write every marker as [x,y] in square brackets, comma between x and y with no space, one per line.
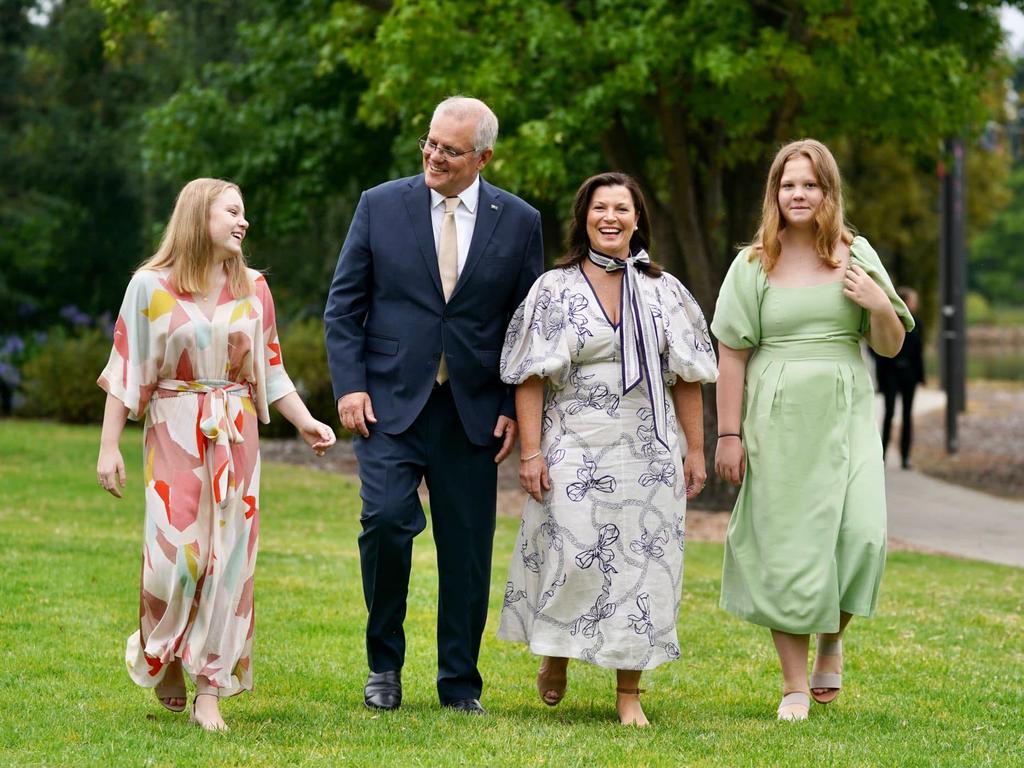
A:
[805,547]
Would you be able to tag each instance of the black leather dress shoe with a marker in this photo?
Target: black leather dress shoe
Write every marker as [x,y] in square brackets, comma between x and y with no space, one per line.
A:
[383,690]
[469,706]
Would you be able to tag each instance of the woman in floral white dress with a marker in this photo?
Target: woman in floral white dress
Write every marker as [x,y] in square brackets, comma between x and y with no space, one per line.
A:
[196,354]
[608,353]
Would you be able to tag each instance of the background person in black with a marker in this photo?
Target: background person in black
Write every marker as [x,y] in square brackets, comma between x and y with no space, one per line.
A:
[901,375]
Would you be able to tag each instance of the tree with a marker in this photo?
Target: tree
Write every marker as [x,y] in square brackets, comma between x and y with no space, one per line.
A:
[691,98]
[997,256]
[284,128]
[76,203]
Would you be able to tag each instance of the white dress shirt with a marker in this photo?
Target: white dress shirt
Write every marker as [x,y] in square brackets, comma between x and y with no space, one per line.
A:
[465,218]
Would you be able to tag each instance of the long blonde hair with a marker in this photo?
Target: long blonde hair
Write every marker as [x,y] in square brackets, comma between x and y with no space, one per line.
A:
[185,247]
[829,222]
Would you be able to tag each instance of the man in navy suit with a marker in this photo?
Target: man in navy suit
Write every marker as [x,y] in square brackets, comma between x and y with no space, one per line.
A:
[431,271]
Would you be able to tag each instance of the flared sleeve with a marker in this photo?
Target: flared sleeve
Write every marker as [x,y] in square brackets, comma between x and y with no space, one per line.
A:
[536,342]
[864,256]
[139,341]
[737,320]
[271,381]
[688,352]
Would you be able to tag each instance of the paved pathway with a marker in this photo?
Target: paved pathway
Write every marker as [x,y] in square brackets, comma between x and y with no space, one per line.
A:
[934,515]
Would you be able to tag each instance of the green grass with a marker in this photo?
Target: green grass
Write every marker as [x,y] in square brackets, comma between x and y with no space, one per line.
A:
[934,679]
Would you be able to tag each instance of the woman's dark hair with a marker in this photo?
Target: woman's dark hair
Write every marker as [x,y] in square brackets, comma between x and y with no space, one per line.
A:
[577,242]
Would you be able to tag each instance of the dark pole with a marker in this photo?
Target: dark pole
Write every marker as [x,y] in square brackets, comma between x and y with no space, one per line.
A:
[952,286]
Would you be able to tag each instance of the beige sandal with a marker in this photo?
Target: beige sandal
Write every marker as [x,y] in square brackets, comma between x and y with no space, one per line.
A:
[794,699]
[206,725]
[173,690]
[830,682]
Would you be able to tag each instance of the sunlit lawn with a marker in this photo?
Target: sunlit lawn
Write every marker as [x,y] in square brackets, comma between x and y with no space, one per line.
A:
[934,679]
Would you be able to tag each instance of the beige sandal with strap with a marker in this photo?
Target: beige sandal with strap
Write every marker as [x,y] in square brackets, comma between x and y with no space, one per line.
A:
[173,688]
[167,691]
[829,682]
[206,725]
[795,699]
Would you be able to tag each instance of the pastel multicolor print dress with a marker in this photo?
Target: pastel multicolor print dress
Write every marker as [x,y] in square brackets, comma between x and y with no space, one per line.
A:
[200,386]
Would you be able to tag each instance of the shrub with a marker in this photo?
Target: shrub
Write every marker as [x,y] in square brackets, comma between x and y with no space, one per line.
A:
[59,380]
[977,310]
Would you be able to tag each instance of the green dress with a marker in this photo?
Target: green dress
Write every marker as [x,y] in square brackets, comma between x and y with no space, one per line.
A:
[807,536]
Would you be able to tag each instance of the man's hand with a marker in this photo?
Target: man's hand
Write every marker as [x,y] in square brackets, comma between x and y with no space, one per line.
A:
[355,411]
[509,430]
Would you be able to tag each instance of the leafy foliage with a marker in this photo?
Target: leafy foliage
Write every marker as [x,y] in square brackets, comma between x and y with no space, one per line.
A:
[692,98]
[51,393]
[997,257]
[113,105]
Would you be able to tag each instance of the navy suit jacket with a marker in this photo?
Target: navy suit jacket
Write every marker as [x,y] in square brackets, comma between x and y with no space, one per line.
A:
[387,322]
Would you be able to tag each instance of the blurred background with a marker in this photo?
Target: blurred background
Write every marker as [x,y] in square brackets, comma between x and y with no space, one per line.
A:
[108,106]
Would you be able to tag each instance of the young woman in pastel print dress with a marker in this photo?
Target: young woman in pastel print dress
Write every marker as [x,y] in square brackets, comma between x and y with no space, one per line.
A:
[196,354]
[805,548]
[608,353]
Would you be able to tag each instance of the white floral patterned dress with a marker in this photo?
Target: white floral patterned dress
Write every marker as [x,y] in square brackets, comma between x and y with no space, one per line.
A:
[597,569]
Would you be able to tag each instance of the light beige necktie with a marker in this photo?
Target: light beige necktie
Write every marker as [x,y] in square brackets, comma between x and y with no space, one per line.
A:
[448,264]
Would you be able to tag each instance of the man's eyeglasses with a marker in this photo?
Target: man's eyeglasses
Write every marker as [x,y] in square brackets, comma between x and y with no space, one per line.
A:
[428,145]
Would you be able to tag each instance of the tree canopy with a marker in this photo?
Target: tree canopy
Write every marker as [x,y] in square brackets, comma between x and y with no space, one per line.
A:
[108,107]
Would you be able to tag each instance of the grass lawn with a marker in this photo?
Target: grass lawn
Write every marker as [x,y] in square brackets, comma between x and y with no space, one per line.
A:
[936,678]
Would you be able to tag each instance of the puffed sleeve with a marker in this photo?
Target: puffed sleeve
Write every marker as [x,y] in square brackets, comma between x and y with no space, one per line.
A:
[737,320]
[271,381]
[139,335]
[536,342]
[688,351]
[864,256]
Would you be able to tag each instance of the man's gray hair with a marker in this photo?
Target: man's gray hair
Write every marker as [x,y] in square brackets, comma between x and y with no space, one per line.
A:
[463,107]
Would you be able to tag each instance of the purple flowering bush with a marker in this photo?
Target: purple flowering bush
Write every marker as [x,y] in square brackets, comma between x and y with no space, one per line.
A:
[52,374]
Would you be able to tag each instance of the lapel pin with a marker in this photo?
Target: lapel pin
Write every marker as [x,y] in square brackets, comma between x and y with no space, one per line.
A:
[494,207]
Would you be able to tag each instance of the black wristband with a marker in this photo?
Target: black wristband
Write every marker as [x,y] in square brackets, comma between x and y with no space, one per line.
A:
[730,434]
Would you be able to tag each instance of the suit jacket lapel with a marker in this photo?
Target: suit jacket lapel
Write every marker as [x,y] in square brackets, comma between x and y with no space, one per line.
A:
[417,203]
[488,211]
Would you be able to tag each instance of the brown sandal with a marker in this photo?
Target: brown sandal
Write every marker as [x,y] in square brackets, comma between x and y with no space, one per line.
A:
[551,689]
[633,692]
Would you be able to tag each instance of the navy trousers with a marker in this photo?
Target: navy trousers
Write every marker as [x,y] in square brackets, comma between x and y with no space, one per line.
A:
[462,480]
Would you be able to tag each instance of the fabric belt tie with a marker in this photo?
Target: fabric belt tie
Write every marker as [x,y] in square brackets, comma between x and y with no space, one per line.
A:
[220,422]
[638,337]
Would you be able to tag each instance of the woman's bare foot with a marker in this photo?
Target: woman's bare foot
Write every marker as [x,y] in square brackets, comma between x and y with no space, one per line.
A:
[552,679]
[171,691]
[206,707]
[630,711]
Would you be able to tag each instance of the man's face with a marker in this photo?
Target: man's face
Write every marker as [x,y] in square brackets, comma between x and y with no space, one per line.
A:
[451,175]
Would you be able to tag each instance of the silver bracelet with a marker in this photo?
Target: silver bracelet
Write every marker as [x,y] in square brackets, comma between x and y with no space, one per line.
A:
[531,456]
